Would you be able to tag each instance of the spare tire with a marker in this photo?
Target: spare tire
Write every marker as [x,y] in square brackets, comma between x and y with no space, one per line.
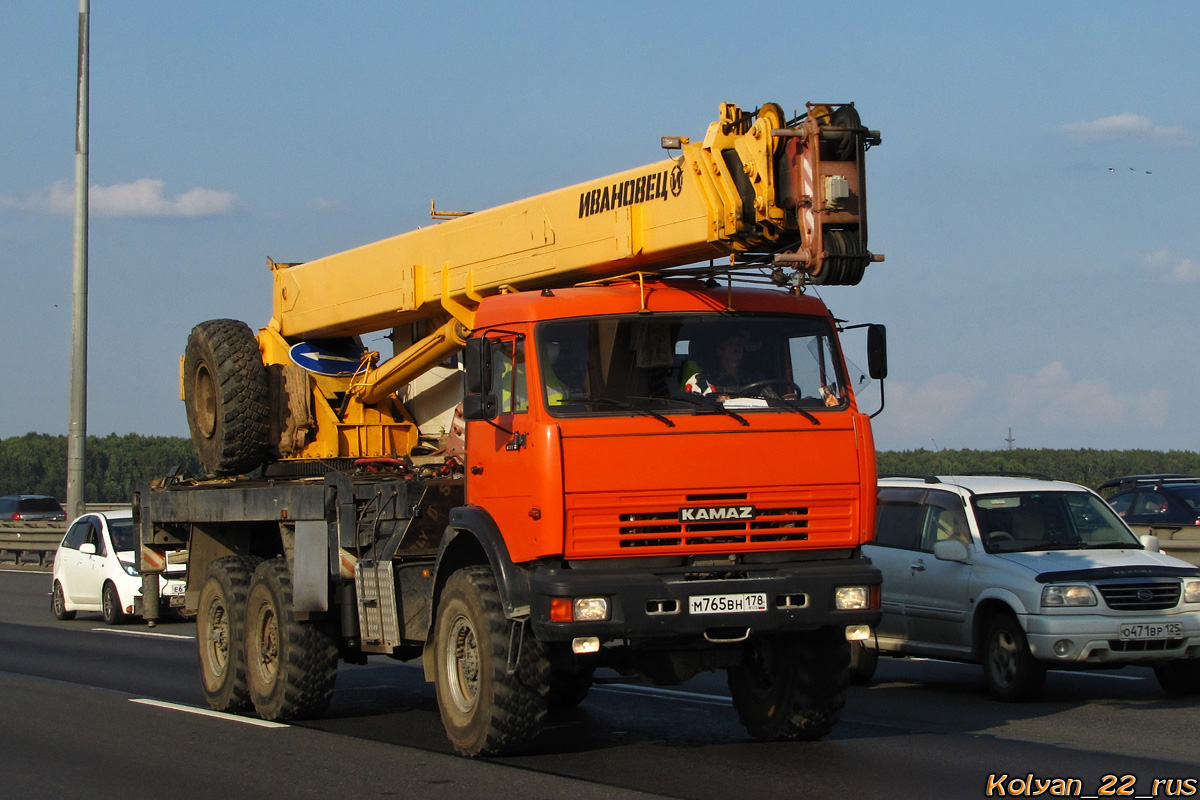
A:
[225,394]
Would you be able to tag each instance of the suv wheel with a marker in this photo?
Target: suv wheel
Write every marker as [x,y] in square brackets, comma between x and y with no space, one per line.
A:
[1011,671]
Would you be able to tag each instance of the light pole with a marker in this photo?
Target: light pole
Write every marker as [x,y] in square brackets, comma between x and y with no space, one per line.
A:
[77,430]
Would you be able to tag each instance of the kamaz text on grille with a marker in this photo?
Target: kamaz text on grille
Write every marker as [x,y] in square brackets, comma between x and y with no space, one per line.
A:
[702,513]
[659,185]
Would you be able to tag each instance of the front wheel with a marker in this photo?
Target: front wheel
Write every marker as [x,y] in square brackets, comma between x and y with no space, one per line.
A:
[110,605]
[486,709]
[58,603]
[1179,677]
[863,661]
[291,666]
[792,686]
[1012,673]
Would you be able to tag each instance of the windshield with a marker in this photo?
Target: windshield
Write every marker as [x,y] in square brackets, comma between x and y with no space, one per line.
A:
[690,363]
[1049,521]
[121,531]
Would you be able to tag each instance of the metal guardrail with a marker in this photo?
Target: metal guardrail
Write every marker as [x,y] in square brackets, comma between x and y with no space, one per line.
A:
[39,539]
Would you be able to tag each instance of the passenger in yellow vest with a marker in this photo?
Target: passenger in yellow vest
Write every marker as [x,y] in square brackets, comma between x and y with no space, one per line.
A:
[557,391]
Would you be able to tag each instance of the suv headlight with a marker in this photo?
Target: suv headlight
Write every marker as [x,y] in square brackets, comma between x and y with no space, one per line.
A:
[130,569]
[1059,596]
[1191,591]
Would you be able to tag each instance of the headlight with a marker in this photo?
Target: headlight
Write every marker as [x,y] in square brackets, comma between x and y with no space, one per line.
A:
[1191,591]
[848,598]
[130,569]
[1059,596]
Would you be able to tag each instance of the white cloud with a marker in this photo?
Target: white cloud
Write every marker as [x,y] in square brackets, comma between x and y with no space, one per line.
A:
[1172,268]
[1122,127]
[919,413]
[145,197]
[1053,400]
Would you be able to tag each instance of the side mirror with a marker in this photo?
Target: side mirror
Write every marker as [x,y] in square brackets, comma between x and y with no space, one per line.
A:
[951,550]
[1150,542]
[479,403]
[88,549]
[877,351]
[477,359]
[480,407]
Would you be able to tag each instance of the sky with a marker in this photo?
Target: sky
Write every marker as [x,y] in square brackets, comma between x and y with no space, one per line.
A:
[1035,194]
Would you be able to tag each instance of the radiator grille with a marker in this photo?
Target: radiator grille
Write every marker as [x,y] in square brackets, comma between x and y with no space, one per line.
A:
[625,525]
[1141,596]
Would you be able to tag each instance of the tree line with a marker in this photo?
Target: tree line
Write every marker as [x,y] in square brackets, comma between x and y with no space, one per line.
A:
[1087,467]
[36,463]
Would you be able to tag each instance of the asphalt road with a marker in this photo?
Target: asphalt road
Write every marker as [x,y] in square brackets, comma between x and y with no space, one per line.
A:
[78,723]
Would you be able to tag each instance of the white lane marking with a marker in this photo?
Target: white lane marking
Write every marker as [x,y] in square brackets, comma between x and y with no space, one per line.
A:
[206,712]
[667,694]
[142,633]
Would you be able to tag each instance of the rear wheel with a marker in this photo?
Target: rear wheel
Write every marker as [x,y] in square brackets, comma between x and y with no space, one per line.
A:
[792,686]
[1012,673]
[1179,677]
[486,709]
[110,605]
[291,666]
[220,633]
[58,603]
[225,396]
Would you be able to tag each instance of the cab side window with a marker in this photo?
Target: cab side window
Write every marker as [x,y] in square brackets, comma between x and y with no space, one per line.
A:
[509,366]
[900,519]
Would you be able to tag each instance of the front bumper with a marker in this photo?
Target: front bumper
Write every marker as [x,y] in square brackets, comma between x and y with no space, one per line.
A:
[653,604]
[1095,639]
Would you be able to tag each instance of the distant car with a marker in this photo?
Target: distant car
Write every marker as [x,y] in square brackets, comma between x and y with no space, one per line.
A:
[1023,575]
[95,569]
[30,507]
[1156,499]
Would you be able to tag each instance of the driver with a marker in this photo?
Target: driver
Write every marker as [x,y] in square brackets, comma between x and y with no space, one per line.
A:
[726,373]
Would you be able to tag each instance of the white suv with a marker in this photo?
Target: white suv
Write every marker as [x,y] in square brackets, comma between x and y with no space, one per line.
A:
[1023,575]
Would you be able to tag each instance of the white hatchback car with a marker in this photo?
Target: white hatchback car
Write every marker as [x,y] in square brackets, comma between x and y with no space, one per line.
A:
[95,569]
[1023,575]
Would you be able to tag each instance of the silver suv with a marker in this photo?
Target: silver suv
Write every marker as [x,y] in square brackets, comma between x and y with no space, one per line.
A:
[1023,575]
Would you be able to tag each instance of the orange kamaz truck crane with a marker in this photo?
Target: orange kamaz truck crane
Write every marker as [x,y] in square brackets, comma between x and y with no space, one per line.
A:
[593,448]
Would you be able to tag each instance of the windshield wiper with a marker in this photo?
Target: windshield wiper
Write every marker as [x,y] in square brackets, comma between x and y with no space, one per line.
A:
[1114,546]
[709,406]
[630,406]
[779,402]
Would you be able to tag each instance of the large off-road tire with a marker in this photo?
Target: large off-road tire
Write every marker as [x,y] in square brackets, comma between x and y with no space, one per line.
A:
[863,661]
[486,711]
[291,666]
[110,605]
[1011,671]
[792,686]
[569,686]
[58,603]
[1179,677]
[225,395]
[220,633]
